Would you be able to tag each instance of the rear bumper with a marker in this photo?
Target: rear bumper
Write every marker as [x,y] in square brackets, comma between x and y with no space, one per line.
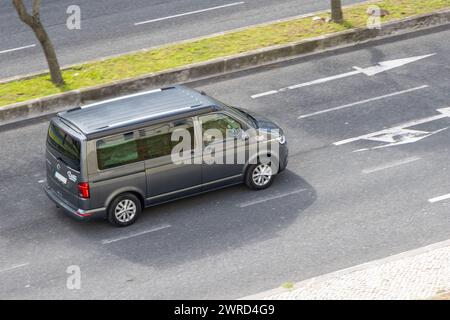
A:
[76,213]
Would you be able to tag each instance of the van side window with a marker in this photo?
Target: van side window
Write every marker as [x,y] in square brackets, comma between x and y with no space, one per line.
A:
[218,121]
[116,151]
[157,141]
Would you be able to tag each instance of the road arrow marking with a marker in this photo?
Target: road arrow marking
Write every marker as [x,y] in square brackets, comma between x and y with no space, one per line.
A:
[403,136]
[370,71]
[388,65]
[399,134]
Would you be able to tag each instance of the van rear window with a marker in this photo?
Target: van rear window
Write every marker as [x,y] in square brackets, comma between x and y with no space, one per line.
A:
[64,146]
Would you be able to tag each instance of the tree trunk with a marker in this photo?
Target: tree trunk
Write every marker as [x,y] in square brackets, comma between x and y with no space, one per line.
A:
[50,54]
[336,11]
[34,22]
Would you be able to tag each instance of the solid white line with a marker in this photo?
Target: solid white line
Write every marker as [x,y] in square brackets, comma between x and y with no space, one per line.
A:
[135,234]
[306,84]
[391,165]
[17,49]
[192,12]
[251,203]
[362,102]
[441,198]
[15,267]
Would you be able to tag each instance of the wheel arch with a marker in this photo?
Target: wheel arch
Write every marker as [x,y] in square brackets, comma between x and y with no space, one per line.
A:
[255,159]
[134,191]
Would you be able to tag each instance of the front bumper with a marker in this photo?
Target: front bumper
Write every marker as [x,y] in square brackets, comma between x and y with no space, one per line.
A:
[76,213]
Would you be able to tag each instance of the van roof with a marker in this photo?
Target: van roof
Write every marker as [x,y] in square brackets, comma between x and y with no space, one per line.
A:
[101,117]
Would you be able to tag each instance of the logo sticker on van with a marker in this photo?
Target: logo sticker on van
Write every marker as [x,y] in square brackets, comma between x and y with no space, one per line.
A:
[71,176]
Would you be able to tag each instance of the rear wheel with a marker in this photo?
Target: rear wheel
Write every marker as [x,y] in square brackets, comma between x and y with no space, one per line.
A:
[259,176]
[124,210]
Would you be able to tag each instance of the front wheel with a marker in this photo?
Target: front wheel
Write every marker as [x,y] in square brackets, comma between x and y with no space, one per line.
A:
[124,210]
[259,176]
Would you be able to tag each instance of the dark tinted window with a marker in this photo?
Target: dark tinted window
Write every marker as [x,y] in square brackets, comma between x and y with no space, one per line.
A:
[64,146]
[116,151]
[221,122]
[157,141]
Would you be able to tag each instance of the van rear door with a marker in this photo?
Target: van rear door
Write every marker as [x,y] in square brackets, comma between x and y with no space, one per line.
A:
[63,164]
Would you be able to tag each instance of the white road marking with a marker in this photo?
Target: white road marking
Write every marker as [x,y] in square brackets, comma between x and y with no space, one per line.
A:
[362,102]
[306,84]
[251,203]
[370,71]
[445,113]
[41,181]
[14,267]
[17,49]
[441,198]
[391,165]
[135,234]
[191,12]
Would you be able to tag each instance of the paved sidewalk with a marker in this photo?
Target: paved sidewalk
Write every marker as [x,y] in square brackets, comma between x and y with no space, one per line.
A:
[422,273]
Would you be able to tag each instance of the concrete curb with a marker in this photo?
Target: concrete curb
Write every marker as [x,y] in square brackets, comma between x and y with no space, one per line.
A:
[55,103]
[368,265]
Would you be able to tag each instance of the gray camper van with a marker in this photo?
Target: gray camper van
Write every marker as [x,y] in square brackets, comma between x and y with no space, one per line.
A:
[114,158]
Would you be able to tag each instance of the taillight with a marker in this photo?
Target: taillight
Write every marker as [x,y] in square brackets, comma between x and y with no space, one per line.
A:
[83,190]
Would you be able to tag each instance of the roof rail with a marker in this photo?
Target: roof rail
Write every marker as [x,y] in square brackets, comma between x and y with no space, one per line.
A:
[121,98]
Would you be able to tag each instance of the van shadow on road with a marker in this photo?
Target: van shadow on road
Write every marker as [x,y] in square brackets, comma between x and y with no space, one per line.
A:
[209,224]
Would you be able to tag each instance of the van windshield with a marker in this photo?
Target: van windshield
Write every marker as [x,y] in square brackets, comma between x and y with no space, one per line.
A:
[64,147]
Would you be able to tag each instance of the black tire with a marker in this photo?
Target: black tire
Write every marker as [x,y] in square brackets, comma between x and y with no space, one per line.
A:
[249,181]
[121,200]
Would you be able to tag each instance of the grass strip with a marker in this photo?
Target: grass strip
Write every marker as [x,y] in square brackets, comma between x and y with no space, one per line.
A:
[181,54]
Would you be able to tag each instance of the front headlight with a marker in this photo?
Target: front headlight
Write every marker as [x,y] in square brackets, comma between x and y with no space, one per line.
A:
[281,139]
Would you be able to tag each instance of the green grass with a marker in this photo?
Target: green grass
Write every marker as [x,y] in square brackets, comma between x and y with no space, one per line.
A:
[288,285]
[177,55]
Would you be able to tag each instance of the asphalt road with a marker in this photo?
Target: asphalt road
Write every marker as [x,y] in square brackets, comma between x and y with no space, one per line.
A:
[356,206]
[108,26]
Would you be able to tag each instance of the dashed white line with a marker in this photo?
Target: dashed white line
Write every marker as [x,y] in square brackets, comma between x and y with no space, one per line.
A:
[191,12]
[362,102]
[14,267]
[306,84]
[17,49]
[135,234]
[441,198]
[391,165]
[251,203]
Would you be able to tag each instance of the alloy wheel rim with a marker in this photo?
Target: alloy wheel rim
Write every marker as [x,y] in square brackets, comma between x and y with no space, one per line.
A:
[125,211]
[262,174]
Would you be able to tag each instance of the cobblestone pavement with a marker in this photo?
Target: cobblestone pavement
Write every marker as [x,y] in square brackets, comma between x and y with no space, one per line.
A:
[423,273]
